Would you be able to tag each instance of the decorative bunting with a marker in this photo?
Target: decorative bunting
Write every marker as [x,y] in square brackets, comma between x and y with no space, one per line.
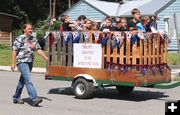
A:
[51,40]
[141,35]
[134,38]
[123,38]
[164,37]
[128,35]
[76,37]
[105,39]
[86,37]
[153,70]
[96,36]
[142,68]
[67,37]
[116,41]
[125,69]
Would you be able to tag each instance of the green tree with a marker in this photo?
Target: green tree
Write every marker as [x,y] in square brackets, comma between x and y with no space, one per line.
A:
[32,11]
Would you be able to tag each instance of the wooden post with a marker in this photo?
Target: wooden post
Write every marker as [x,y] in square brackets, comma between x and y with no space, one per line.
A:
[47,49]
[114,54]
[153,47]
[54,9]
[103,57]
[54,54]
[149,49]
[134,53]
[141,52]
[58,53]
[121,57]
[128,51]
[145,52]
[64,53]
[69,54]
[158,49]
[108,50]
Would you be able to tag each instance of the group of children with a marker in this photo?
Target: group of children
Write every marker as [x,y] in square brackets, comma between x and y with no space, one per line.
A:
[144,24]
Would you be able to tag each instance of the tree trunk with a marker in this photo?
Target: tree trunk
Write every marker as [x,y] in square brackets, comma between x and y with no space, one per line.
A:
[54,9]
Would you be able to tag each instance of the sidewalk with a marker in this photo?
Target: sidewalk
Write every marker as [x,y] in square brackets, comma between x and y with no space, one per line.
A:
[35,69]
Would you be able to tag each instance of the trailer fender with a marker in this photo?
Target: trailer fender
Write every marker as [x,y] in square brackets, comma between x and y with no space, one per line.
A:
[86,77]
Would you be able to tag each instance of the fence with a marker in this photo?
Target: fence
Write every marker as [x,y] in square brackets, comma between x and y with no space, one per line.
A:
[118,48]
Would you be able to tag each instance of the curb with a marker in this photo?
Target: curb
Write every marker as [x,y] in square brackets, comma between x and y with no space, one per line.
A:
[174,66]
[34,70]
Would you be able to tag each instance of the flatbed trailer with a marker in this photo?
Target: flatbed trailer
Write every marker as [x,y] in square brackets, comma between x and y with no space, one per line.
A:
[95,59]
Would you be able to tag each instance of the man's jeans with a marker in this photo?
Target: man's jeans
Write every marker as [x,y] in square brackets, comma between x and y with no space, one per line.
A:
[25,79]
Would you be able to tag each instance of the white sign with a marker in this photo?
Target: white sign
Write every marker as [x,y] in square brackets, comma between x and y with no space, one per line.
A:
[87,55]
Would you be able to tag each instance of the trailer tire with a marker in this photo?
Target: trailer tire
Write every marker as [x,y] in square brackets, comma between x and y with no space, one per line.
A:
[124,89]
[83,89]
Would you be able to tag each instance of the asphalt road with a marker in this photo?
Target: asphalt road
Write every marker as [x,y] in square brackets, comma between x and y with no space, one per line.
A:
[59,99]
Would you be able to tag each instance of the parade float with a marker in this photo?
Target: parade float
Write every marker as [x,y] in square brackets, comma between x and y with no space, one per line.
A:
[97,59]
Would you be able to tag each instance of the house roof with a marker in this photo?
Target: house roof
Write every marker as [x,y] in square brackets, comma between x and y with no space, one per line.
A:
[147,7]
[115,9]
[10,15]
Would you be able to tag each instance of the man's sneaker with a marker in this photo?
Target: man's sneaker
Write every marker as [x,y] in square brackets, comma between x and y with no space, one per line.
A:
[18,101]
[36,101]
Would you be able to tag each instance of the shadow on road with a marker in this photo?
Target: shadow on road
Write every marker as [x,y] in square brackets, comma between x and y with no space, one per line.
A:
[28,101]
[63,91]
[109,93]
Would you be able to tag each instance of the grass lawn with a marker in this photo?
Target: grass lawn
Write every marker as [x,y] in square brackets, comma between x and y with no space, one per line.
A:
[5,59]
[173,58]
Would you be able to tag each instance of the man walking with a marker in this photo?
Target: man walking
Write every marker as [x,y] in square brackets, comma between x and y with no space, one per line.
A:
[23,56]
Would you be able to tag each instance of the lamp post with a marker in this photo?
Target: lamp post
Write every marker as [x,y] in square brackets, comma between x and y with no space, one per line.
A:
[50,8]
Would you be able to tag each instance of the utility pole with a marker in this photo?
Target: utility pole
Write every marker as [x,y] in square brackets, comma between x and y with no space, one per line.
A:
[69,2]
[52,12]
[54,9]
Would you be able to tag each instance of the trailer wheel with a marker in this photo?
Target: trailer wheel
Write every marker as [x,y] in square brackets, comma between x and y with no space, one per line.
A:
[124,89]
[83,89]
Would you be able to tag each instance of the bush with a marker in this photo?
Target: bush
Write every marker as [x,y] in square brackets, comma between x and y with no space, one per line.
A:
[16,33]
[40,37]
[56,25]
[4,47]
